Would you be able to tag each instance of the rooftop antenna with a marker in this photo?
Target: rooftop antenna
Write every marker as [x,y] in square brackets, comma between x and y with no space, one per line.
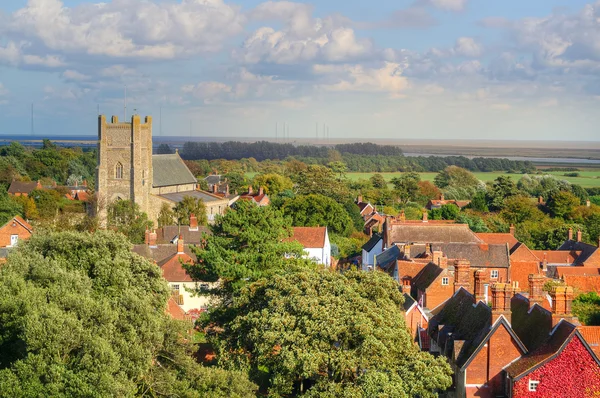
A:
[125,105]
[32,130]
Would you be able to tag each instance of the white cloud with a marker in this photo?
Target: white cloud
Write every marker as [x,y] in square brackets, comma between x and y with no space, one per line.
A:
[208,91]
[14,54]
[70,74]
[448,5]
[468,47]
[117,71]
[127,28]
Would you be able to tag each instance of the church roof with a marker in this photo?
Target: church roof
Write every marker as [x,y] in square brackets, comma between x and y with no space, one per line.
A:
[170,170]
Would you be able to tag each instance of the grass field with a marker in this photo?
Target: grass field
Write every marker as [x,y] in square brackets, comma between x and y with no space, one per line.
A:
[587,179]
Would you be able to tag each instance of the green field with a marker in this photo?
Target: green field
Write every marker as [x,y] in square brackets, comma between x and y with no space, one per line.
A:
[587,179]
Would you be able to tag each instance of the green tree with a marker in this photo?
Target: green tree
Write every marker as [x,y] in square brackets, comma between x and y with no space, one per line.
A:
[519,209]
[166,216]
[501,189]
[378,181]
[476,223]
[332,329]
[406,187]
[84,316]
[479,202]
[454,176]
[164,149]
[321,180]
[562,203]
[314,210]
[46,202]
[449,211]
[125,216]
[579,192]
[188,206]
[272,183]
[236,180]
[338,167]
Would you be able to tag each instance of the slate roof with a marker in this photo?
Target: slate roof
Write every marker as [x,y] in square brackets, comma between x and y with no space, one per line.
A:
[4,252]
[585,249]
[408,301]
[479,255]
[431,233]
[202,195]
[387,258]
[309,237]
[170,170]
[532,326]
[168,233]
[213,179]
[22,187]
[160,252]
[371,243]
[499,239]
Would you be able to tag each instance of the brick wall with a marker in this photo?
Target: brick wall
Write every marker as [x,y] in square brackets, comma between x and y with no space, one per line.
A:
[12,228]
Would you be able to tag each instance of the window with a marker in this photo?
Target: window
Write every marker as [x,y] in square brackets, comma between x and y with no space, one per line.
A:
[175,288]
[445,281]
[533,385]
[204,286]
[119,171]
[494,274]
[14,239]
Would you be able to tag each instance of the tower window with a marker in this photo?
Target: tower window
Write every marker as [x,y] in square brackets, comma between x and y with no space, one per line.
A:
[119,171]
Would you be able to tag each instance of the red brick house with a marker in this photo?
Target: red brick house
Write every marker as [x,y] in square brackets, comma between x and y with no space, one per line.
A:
[15,230]
[23,188]
[436,204]
[258,198]
[414,315]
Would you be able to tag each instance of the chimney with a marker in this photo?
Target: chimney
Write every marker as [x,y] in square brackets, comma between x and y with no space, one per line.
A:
[152,239]
[481,279]
[402,216]
[545,262]
[562,298]
[407,251]
[261,190]
[147,236]
[461,274]
[180,245]
[215,188]
[227,189]
[578,236]
[425,215]
[540,200]
[437,256]
[193,222]
[501,296]
[85,185]
[441,196]
[249,189]
[536,292]
[570,234]
[406,285]
[512,229]
[588,203]
[359,199]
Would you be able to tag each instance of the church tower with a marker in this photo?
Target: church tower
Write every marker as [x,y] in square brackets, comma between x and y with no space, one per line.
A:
[124,170]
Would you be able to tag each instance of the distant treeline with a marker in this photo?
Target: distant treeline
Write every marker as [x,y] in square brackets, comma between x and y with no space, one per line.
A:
[359,157]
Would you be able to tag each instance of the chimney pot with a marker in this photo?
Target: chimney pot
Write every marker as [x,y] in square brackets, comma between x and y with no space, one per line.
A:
[481,279]
[540,200]
[442,196]
[152,237]
[261,190]
[579,233]
[193,222]
[180,245]
[512,229]
[425,215]
[249,189]
[570,234]
[359,199]
[588,203]
[215,188]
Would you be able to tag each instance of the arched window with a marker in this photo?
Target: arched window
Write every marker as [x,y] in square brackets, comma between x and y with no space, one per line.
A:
[119,171]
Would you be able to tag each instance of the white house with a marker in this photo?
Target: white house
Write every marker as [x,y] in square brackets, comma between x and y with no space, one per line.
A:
[315,241]
[369,250]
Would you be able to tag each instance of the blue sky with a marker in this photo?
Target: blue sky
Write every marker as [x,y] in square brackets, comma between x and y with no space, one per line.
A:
[439,69]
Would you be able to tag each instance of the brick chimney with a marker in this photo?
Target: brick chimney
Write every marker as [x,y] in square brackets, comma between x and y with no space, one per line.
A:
[147,236]
[249,189]
[536,292]
[193,222]
[462,270]
[425,215]
[85,185]
[226,189]
[441,196]
[407,250]
[545,262]
[359,199]
[501,295]
[540,200]
[578,236]
[215,188]
[180,245]
[481,279]
[588,203]
[570,234]
[438,258]
[402,216]
[261,190]
[512,229]
[406,285]
[562,298]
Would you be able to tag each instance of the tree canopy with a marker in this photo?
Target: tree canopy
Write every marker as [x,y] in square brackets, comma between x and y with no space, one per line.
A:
[315,210]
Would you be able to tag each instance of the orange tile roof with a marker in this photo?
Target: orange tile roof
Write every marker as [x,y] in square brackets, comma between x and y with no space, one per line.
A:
[175,310]
[579,271]
[498,239]
[309,237]
[23,223]
[558,256]
[591,335]
[173,270]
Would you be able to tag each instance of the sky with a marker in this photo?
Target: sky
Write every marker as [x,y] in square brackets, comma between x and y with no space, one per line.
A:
[416,69]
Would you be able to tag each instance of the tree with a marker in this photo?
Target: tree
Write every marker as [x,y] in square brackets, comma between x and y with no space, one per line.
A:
[479,202]
[166,216]
[321,180]
[84,316]
[338,167]
[330,329]
[454,176]
[46,202]
[188,206]
[246,244]
[10,208]
[519,209]
[449,211]
[501,189]
[476,223]
[406,187]
[164,149]
[562,203]
[125,216]
[378,181]
[314,210]
[272,183]
[236,180]
[428,191]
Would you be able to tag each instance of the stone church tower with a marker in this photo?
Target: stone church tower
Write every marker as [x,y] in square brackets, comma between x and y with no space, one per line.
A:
[124,168]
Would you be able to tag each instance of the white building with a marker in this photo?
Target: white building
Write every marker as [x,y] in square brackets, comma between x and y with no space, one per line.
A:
[315,241]
[369,250]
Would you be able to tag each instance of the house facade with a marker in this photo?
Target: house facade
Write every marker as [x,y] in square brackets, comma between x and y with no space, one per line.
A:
[14,231]
[315,241]
[371,249]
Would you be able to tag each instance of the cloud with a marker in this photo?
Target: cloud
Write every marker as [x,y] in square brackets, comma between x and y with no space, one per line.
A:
[302,37]
[3,93]
[468,47]
[408,18]
[13,54]
[447,5]
[117,71]
[73,75]
[126,28]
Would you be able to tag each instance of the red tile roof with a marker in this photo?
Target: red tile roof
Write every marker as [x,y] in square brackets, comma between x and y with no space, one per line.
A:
[309,237]
[577,271]
[173,270]
[591,335]
[498,239]
[175,310]
[24,223]
[82,196]
[558,256]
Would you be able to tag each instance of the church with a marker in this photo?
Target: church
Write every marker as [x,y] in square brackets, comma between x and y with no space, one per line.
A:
[127,170]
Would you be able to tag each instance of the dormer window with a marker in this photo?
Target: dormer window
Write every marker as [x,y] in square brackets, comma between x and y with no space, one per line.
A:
[119,171]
